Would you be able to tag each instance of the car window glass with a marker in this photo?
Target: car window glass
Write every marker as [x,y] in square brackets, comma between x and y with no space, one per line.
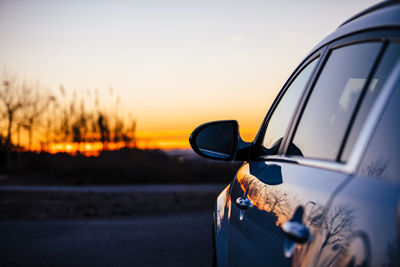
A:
[381,159]
[388,61]
[332,101]
[282,114]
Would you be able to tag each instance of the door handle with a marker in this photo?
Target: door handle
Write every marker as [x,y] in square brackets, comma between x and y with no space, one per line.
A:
[296,231]
[243,203]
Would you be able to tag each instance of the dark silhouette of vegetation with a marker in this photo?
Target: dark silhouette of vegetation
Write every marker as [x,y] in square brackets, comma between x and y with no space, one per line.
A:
[124,166]
[104,130]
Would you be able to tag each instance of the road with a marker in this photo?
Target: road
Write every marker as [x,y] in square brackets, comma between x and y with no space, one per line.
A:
[178,188]
[157,240]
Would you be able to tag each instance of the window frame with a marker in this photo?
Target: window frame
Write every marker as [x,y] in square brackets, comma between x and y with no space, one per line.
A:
[351,166]
[260,135]
[330,49]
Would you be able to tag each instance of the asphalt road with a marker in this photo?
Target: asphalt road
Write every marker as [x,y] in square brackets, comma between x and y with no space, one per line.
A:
[162,240]
[156,188]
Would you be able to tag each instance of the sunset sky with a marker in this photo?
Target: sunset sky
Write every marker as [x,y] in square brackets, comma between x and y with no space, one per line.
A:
[175,64]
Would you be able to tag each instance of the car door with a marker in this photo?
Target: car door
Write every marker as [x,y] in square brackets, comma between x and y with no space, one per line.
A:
[362,225]
[298,172]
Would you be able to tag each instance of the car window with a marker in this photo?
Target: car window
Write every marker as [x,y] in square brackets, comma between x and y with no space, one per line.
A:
[391,56]
[381,159]
[282,114]
[328,111]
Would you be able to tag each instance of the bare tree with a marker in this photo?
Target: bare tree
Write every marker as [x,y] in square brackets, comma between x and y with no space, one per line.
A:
[51,116]
[67,112]
[39,101]
[130,136]
[13,99]
[336,229]
[104,129]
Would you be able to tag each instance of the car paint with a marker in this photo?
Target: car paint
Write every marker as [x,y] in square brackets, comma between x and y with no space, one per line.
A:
[361,227]
[276,190]
[353,220]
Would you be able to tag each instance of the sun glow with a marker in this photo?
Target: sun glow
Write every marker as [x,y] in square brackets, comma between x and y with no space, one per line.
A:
[90,149]
[93,149]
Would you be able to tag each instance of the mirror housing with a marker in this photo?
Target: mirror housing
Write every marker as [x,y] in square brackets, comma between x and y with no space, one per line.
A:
[219,140]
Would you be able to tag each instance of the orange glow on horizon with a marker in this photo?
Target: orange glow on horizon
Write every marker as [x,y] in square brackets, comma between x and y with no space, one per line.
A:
[165,140]
[93,149]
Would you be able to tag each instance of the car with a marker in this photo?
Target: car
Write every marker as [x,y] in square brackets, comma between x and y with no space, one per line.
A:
[320,183]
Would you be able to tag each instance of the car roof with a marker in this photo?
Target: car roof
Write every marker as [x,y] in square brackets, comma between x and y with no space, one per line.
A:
[383,15]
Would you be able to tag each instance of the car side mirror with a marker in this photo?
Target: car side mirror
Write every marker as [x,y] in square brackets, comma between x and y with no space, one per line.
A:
[218,140]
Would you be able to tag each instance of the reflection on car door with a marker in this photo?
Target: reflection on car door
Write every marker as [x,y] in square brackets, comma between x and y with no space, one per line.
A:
[276,190]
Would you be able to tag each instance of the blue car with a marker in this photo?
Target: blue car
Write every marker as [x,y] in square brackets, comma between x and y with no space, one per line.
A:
[320,183]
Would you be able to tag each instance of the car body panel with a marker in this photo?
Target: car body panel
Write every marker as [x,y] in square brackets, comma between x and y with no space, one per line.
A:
[221,217]
[276,190]
[361,227]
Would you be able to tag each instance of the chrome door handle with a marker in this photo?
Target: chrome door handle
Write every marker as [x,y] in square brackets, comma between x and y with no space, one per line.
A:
[296,231]
[243,203]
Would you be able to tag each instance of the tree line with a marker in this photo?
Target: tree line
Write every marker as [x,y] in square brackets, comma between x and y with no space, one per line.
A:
[32,116]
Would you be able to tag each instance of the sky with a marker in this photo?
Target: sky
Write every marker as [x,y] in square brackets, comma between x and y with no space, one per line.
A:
[175,64]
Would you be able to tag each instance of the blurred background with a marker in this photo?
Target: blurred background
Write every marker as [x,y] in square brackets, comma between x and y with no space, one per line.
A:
[107,93]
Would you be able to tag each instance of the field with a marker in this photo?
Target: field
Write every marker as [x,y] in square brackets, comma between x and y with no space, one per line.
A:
[70,204]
